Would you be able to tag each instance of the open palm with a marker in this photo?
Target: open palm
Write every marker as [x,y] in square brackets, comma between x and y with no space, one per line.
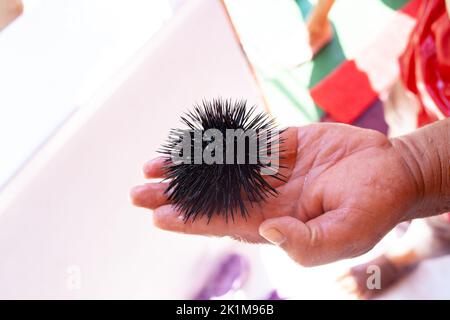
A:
[346,188]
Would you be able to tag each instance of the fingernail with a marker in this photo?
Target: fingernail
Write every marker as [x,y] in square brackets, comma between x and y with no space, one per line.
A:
[273,235]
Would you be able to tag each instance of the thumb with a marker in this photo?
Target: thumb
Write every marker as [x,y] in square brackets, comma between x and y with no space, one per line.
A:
[337,234]
[289,233]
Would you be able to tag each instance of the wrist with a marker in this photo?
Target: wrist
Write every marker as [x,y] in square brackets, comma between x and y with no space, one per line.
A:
[426,157]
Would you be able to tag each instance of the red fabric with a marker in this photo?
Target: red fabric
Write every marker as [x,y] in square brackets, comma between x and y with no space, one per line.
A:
[337,96]
[426,60]
[412,8]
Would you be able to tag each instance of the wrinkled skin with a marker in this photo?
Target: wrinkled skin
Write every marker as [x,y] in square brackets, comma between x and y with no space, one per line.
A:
[346,188]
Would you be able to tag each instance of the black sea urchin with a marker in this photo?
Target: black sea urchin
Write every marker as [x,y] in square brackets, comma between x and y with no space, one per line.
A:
[213,165]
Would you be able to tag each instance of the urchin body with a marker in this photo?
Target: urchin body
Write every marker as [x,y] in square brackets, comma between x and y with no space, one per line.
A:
[217,164]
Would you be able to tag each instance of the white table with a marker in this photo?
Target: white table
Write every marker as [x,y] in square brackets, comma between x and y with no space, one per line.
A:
[55,56]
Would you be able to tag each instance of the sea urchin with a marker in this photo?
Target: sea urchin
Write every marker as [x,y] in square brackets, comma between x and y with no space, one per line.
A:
[218,164]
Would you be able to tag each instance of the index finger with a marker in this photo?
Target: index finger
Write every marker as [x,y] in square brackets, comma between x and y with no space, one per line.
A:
[169,218]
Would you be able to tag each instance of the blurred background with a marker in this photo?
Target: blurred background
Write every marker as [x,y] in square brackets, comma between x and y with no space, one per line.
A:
[90,89]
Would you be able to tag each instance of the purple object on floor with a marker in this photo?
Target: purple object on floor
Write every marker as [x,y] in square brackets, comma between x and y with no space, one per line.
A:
[273,295]
[372,118]
[230,275]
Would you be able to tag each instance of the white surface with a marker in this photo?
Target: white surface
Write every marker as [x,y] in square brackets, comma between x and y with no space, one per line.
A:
[67,216]
[430,280]
[55,56]
[273,33]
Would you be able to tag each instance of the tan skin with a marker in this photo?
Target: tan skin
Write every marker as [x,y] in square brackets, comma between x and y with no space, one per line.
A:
[9,10]
[347,188]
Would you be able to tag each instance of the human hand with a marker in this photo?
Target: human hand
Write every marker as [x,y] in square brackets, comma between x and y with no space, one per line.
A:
[346,188]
